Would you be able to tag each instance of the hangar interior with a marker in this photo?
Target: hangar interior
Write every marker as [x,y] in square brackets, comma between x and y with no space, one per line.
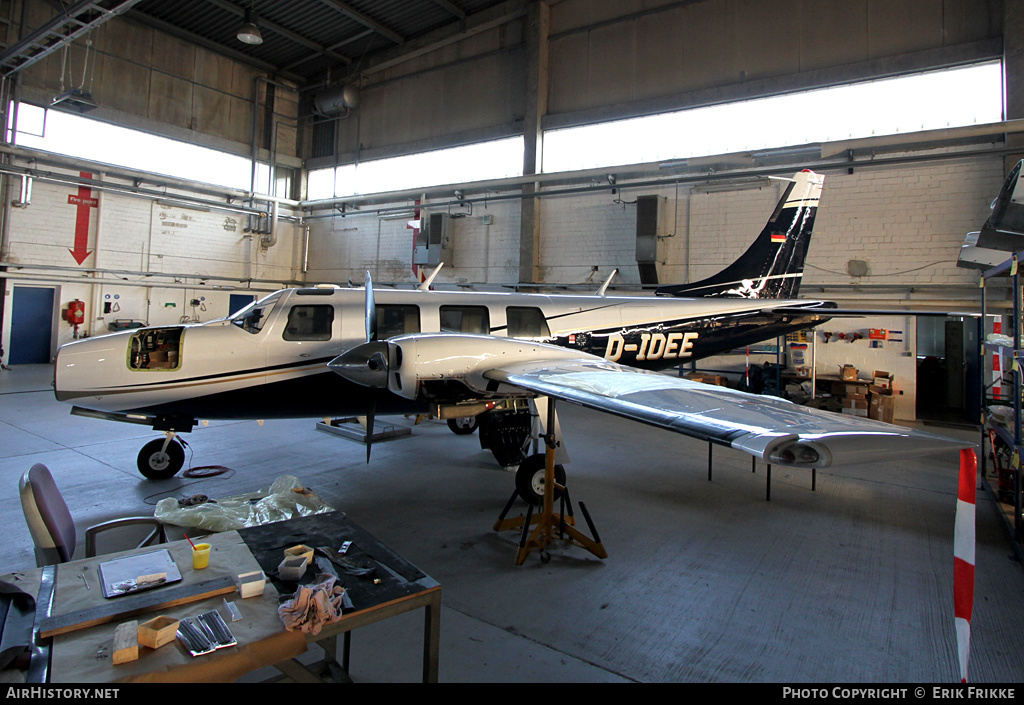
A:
[161,166]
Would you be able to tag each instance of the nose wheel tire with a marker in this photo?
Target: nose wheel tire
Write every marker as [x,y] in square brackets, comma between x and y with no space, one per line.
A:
[463,426]
[157,463]
[530,479]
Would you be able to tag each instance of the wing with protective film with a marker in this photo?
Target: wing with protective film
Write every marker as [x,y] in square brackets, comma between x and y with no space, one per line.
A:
[768,427]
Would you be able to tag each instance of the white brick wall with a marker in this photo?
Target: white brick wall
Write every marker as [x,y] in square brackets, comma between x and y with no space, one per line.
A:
[133,234]
[907,222]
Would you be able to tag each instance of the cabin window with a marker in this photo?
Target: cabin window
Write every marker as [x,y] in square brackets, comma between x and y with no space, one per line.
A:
[309,322]
[526,322]
[397,319]
[465,319]
[252,318]
[155,349]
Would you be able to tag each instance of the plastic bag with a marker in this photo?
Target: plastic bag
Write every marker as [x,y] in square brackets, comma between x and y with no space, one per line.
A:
[287,498]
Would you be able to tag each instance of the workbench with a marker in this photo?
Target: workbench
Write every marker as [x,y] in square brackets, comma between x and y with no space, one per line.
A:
[82,653]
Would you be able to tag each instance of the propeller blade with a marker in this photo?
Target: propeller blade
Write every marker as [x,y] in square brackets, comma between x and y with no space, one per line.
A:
[371,411]
[371,312]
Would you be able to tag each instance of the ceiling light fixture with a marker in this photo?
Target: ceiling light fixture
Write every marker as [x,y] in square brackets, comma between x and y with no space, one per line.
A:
[249,32]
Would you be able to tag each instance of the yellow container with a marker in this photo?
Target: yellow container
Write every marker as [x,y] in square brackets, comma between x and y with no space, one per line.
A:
[201,555]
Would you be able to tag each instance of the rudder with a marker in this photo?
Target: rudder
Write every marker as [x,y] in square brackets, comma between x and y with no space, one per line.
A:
[772,267]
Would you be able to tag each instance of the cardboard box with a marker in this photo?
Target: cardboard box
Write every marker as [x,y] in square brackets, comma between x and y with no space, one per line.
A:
[856,412]
[882,407]
[849,373]
[861,403]
[847,390]
[882,379]
[705,378]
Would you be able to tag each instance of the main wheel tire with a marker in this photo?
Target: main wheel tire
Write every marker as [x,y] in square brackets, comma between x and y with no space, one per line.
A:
[530,479]
[463,426]
[155,463]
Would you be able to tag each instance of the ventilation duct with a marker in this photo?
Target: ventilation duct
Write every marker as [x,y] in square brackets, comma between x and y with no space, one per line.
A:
[649,216]
[337,101]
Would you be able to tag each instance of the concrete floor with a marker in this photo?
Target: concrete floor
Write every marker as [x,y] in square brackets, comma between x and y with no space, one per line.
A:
[705,581]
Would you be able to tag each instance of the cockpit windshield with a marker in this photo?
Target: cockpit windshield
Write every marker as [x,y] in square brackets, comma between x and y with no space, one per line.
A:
[252,318]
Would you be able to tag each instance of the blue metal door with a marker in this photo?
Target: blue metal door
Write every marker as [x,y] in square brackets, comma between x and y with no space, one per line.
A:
[31,325]
[239,301]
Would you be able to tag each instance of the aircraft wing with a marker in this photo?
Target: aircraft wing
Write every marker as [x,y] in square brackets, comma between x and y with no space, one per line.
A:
[776,430]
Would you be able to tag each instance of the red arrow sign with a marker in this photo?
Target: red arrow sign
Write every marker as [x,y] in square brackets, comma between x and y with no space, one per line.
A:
[84,201]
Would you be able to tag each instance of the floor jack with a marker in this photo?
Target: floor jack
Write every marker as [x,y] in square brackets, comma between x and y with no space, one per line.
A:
[550,526]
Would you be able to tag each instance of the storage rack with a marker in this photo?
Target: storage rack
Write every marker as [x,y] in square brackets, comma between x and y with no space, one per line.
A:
[1012,511]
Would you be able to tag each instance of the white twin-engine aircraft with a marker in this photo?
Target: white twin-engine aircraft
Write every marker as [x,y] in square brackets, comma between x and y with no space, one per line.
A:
[331,352]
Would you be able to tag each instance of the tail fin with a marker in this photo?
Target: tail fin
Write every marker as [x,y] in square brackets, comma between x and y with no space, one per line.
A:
[773,265]
[1003,229]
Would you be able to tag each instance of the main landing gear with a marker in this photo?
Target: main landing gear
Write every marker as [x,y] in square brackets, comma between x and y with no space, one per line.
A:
[539,482]
[463,426]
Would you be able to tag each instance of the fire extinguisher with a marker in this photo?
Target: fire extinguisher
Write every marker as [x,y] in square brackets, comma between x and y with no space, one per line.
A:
[75,314]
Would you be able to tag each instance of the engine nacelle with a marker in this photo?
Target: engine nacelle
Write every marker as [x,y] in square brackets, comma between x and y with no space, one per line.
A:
[418,359]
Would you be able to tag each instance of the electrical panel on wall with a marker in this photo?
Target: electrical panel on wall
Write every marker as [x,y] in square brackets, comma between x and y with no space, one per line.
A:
[434,242]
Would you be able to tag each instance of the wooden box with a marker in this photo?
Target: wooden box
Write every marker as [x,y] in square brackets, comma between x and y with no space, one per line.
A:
[252,584]
[158,631]
[292,568]
[300,550]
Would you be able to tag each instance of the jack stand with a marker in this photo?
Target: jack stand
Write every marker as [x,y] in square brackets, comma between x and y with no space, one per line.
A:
[548,522]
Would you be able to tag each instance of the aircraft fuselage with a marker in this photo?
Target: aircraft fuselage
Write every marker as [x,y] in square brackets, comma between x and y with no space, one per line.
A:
[269,360]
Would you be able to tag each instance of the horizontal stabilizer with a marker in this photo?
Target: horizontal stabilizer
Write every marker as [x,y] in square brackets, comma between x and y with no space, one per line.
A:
[867,312]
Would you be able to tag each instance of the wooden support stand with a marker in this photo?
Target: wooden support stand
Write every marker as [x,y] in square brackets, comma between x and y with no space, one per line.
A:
[550,525]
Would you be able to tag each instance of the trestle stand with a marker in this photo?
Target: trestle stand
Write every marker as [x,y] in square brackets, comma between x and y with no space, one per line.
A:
[550,525]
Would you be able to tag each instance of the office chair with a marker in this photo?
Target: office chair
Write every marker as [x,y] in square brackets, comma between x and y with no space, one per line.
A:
[51,525]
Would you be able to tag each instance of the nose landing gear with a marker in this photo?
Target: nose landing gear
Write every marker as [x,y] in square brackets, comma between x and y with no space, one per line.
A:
[162,458]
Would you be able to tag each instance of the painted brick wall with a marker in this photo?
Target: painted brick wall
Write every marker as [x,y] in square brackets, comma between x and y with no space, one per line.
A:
[906,222]
[346,248]
[132,234]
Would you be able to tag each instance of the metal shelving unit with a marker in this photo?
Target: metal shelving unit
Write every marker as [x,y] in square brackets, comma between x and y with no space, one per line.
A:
[1012,437]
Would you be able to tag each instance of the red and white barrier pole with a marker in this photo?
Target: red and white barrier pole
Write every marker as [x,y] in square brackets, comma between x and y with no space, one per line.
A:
[963,556]
[997,372]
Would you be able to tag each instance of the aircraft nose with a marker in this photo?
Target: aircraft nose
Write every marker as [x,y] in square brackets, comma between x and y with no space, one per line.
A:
[85,366]
[366,365]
